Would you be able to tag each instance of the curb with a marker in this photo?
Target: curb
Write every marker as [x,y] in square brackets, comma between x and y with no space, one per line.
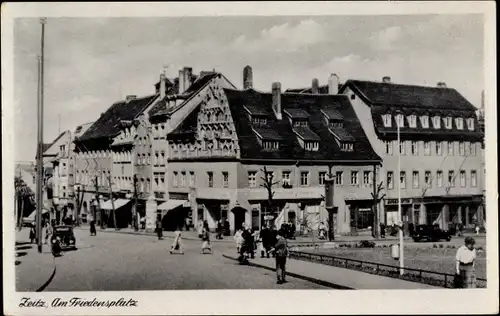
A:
[295,275]
[41,288]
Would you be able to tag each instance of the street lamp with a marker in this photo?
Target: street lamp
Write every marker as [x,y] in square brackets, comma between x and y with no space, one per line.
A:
[399,121]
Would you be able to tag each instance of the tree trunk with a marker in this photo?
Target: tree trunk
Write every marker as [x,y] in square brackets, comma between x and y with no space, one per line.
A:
[376,223]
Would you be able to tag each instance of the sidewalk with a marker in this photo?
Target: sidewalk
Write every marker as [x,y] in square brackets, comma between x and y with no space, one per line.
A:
[33,269]
[335,277]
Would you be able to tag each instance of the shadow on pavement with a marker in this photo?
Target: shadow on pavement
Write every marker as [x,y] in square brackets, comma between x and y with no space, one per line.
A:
[21,254]
[23,247]
[19,243]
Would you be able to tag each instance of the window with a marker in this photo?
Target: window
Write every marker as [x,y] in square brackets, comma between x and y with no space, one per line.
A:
[470,124]
[225,179]
[156,158]
[321,177]
[252,179]
[148,185]
[402,179]
[451,148]
[460,122]
[388,147]
[176,179]
[347,147]
[424,121]
[451,178]
[436,122]
[387,120]
[390,180]
[415,179]
[270,145]
[427,148]
[402,147]
[192,179]
[304,178]
[183,179]
[367,178]
[461,148]
[473,178]
[448,122]
[162,159]
[339,177]
[400,120]
[354,178]
[149,158]
[210,176]
[285,176]
[312,146]
[439,148]
[412,121]
[462,178]
[472,148]
[428,179]
[439,176]
[414,148]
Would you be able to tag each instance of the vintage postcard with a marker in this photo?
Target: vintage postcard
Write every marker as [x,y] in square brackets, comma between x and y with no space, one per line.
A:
[249,158]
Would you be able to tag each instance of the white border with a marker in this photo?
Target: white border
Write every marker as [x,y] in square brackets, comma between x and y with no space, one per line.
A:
[272,301]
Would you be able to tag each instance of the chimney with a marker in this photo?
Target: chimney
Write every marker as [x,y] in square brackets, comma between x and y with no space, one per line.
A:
[181,82]
[130,97]
[333,84]
[247,78]
[315,86]
[386,79]
[188,73]
[276,88]
[441,84]
[163,86]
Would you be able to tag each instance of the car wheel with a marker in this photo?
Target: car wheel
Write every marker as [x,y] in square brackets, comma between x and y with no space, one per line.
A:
[448,238]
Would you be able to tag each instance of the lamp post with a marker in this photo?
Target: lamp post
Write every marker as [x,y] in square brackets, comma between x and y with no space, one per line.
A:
[400,212]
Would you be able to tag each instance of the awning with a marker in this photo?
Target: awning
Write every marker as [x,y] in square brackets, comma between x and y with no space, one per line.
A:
[118,203]
[170,204]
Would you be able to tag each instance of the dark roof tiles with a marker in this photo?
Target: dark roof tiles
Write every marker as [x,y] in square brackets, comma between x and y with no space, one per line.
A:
[332,114]
[296,113]
[267,133]
[306,133]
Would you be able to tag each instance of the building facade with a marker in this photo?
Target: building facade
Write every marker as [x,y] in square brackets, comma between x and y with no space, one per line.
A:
[441,150]
[221,154]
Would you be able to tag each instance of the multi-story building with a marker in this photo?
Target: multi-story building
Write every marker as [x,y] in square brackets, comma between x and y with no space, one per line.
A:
[179,97]
[217,156]
[441,152]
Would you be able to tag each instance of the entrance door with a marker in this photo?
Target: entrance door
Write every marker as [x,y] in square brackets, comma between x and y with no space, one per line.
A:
[292,217]
[255,220]
[239,218]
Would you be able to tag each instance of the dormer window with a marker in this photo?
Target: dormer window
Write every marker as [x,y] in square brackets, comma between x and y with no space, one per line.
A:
[436,122]
[424,121]
[386,118]
[470,124]
[345,146]
[460,123]
[448,122]
[268,138]
[412,121]
[311,146]
[259,120]
[299,123]
[270,145]
[400,120]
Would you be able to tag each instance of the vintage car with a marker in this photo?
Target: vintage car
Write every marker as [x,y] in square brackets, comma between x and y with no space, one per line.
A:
[64,234]
[430,233]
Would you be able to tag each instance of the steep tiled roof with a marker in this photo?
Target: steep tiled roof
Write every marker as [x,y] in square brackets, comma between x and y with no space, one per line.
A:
[289,147]
[267,133]
[107,125]
[200,83]
[321,89]
[296,113]
[342,134]
[332,114]
[305,133]
[422,97]
[188,126]
[255,110]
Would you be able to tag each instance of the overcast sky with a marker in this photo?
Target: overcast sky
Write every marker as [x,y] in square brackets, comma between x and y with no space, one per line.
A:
[92,62]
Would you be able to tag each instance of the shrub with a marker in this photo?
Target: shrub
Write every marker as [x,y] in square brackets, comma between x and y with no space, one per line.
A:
[441,246]
[366,244]
[434,246]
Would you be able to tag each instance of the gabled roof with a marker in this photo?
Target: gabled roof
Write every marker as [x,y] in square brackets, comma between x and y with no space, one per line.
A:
[107,125]
[412,96]
[289,148]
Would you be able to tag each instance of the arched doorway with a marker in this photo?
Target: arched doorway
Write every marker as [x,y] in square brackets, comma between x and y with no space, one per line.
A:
[239,217]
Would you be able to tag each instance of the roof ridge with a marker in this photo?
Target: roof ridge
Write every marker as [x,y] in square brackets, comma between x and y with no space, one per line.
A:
[401,84]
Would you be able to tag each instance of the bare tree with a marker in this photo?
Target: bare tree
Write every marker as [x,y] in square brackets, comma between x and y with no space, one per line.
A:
[268,184]
[376,201]
[309,224]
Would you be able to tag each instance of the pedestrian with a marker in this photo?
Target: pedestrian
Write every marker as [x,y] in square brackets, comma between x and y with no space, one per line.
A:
[251,243]
[281,252]
[32,233]
[219,230]
[177,243]
[239,240]
[382,230]
[273,237]
[477,229]
[293,229]
[93,231]
[227,228]
[465,264]
[159,229]
[200,229]
[205,237]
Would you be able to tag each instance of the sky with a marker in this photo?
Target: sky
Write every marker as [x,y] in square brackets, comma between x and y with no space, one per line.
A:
[91,63]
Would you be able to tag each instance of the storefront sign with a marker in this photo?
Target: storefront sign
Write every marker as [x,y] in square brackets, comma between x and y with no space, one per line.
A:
[268,217]
[395,201]
[179,196]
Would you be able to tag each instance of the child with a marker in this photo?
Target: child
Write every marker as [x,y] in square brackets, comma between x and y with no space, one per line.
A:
[177,245]
[238,238]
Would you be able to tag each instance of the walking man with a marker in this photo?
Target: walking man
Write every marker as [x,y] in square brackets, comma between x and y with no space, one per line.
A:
[281,252]
[177,244]
[92,226]
[205,237]
[159,230]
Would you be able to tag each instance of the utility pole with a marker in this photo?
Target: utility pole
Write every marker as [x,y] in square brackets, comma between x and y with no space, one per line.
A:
[329,204]
[39,157]
[98,202]
[115,224]
[136,226]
